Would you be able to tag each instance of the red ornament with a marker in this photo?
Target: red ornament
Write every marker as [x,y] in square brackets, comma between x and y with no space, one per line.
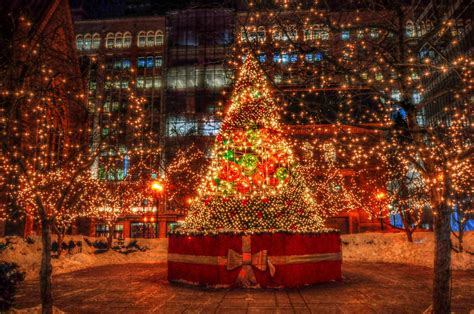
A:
[244,202]
[219,138]
[258,178]
[259,215]
[273,181]
[265,200]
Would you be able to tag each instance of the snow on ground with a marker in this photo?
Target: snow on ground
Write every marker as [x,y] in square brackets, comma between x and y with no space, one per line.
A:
[28,255]
[370,247]
[394,248]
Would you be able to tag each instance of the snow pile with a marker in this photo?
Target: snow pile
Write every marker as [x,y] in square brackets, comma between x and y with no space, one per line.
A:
[27,254]
[394,248]
[367,247]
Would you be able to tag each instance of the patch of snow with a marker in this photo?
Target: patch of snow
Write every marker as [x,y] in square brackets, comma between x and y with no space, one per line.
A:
[394,248]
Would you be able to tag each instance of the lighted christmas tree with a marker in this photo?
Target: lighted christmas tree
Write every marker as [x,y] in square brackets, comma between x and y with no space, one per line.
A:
[252,184]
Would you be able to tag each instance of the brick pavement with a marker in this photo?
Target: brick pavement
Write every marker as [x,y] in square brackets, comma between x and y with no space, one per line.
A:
[143,288]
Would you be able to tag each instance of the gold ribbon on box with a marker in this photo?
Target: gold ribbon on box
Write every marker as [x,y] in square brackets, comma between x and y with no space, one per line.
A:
[247,261]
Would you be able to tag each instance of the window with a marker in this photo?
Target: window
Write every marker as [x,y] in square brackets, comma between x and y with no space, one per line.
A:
[320,32]
[87,42]
[293,58]
[374,33]
[140,82]
[395,95]
[318,56]
[277,58]
[416,97]
[118,40]
[150,62]
[149,82]
[209,127]
[345,35]
[158,62]
[157,82]
[308,57]
[182,78]
[215,77]
[159,38]
[360,34]
[126,64]
[181,126]
[109,40]
[261,34]
[95,41]
[79,42]
[284,58]
[141,62]
[262,58]
[127,40]
[150,39]
[410,29]
[141,39]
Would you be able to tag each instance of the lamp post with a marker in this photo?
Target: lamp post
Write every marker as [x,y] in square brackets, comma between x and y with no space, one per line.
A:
[380,197]
[157,188]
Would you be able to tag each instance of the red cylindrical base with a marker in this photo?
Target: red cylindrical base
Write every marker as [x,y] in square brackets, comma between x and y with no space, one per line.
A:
[297,259]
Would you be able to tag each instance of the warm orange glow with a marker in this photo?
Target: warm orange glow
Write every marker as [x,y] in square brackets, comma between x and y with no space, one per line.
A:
[380,195]
[157,186]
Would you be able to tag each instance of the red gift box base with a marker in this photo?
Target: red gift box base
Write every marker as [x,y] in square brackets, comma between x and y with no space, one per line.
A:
[201,259]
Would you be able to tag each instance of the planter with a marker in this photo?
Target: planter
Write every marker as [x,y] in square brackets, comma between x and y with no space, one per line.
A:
[257,260]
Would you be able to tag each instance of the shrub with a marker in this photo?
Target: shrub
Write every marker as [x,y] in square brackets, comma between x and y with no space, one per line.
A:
[10,277]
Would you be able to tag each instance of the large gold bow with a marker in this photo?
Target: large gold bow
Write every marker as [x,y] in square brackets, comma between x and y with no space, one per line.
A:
[258,260]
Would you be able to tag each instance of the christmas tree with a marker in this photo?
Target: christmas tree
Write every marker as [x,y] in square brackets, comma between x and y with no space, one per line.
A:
[252,184]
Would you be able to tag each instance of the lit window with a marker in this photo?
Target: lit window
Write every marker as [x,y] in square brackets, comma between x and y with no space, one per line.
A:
[276,58]
[293,58]
[124,83]
[360,33]
[378,76]
[320,32]
[126,64]
[284,58]
[158,62]
[307,34]
[87,42]
[141,62]
[150,39]
[118,40]
[79,42]
[262,58]
[278,78]
[318,56]
[181,126]
[345,35]
[308,57]
[141,39]
[140,82]
[410,29]
[395,95]
[374,33]
[150,62]
[261,34]
[109,40]
[117,64]
[416,97]
[127,40]
[149,82]
[215,77]
[157,82]
[159,38]
[210,127]
[95,41]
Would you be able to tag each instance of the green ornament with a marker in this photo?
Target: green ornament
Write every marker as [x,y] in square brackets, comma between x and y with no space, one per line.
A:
[257,94]
[229,155]
[217,181]
[249,162]
[227,188]
[281,173]
[252,135]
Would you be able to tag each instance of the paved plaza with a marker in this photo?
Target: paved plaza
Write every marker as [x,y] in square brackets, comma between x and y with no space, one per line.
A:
[143,288]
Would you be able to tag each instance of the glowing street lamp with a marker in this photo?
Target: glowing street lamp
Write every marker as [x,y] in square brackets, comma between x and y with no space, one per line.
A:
[380,197]
[157,187]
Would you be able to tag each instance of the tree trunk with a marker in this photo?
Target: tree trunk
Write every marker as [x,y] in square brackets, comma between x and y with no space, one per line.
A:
[110,236]
[60,243]
[409,233]
[442,261]
[46,268]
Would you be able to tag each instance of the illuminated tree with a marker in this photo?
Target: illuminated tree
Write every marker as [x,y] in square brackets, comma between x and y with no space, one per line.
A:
[253,182]
[368,65]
